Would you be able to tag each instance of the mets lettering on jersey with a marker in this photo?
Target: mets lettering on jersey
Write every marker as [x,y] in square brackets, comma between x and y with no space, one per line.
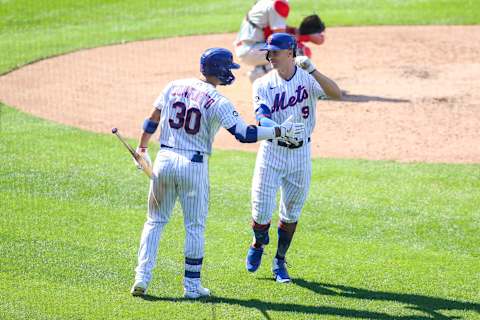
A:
[279,101]
[295,97]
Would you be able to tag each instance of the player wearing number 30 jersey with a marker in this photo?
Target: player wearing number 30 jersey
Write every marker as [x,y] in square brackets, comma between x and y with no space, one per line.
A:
[189,113]
[288,91]
[199,109]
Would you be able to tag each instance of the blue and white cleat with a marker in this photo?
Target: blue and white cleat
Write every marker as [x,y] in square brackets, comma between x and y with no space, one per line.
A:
[254,258]
[279,270]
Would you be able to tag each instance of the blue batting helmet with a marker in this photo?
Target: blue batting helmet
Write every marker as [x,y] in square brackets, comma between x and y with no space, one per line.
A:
[280,41]
[218,62]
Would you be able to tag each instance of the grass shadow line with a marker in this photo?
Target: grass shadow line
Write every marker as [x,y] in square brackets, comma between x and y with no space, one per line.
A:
[264,307]
[429,305]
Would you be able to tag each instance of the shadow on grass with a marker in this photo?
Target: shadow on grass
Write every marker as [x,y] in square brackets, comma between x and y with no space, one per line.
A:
[428,305]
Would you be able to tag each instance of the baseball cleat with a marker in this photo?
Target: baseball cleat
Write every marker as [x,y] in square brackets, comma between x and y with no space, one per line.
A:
[195,293]
[139,289]
[254,258]
[279,270]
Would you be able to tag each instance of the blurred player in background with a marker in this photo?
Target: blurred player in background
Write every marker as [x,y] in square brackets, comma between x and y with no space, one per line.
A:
[263,19]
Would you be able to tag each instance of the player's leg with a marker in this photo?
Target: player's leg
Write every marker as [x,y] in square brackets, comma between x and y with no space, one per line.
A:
[285,235]
[250,54]
[161,201]
[266,181]
[294,191]
[193,190]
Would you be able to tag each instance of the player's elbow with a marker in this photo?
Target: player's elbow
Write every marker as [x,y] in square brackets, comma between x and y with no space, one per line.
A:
[249,136]
[244,139]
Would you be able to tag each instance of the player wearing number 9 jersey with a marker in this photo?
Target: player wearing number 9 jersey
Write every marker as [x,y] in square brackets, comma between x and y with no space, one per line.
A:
[189,113]
[288,91]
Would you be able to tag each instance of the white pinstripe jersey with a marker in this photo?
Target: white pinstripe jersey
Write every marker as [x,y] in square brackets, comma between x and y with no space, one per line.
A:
[192,112]
[297,96]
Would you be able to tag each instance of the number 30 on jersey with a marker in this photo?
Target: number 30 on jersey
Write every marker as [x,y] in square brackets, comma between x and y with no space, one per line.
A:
[188,119]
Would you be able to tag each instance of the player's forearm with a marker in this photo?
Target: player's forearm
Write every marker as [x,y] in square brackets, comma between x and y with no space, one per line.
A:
[245,133]
[329,86]
[265,133]
[267,122]
[144,139]
[149,127]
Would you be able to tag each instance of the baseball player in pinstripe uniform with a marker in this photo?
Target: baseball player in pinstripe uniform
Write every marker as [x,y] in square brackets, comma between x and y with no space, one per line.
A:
[189,113]
[287,91]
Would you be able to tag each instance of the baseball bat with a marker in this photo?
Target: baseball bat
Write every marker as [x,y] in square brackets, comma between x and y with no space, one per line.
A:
[145,167]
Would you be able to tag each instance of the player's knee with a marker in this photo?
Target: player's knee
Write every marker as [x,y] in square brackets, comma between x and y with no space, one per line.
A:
[251,57]
[241,53]
[192,229]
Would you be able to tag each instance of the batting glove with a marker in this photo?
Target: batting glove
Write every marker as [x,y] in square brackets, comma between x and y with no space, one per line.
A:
[291,130]
[305,63]
[143,152]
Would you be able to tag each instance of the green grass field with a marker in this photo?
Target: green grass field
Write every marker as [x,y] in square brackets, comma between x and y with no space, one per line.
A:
[35,29]
[377,240]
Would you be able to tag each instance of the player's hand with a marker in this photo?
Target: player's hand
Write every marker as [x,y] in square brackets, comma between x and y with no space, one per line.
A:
[305,63]
[143,152]
[291,130]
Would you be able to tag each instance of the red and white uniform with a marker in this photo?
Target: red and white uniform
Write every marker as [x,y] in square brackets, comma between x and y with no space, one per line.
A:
[265,14]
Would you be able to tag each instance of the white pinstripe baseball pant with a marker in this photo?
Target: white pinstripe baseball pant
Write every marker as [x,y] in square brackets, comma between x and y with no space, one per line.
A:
[280,167]
[178,177]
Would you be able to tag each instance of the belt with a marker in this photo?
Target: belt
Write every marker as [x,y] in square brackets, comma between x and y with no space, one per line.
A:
[197,157]
[291,145]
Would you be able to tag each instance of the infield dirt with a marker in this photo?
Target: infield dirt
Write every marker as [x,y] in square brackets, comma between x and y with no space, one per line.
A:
[412,93]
